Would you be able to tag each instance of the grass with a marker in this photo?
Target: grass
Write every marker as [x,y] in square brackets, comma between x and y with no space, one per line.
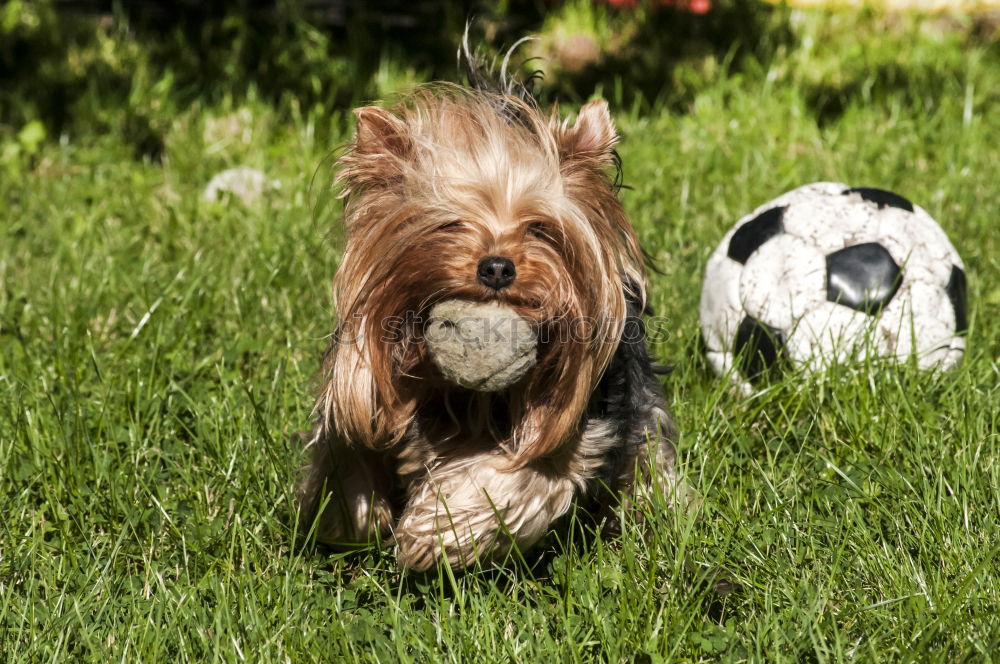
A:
[156,353]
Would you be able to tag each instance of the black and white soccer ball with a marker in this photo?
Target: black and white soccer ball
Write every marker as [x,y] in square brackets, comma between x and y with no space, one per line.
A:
[829,273]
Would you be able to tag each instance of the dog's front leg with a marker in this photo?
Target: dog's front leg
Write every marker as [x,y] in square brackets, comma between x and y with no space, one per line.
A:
[475,509]
[345,492]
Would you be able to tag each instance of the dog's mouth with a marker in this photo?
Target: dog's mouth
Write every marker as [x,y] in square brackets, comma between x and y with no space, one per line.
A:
[481,346]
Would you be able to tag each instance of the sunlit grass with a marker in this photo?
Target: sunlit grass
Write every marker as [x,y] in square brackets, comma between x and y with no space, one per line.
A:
[157,351]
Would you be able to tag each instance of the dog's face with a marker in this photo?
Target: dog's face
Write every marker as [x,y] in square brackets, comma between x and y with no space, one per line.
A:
[478,197]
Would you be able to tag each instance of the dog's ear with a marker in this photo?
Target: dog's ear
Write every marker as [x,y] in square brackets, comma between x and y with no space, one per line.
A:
[382,145]
[592,137]
[380,132]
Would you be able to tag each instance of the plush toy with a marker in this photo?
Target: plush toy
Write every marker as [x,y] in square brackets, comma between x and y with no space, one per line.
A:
[485,347]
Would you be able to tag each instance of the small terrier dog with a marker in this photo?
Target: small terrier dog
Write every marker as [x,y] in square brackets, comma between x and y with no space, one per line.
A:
[474,193]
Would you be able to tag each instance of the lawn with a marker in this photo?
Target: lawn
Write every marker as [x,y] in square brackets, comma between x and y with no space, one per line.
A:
[157,354]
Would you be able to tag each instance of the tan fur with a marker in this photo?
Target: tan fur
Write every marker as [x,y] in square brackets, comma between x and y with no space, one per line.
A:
[475,508]
[450,158]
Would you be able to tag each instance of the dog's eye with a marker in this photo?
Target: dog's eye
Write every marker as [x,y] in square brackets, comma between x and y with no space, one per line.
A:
[451,225]
[537,229]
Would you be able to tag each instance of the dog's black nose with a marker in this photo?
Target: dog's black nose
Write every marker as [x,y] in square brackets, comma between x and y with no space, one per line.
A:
[496,272]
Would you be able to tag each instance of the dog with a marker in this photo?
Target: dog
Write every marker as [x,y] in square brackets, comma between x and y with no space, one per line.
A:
[473,193]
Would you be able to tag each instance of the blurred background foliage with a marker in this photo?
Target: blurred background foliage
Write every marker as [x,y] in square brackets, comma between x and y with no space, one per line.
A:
[77,67]
[72,68]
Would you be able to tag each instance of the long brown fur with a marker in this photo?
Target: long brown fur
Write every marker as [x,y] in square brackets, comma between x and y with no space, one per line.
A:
[432,185]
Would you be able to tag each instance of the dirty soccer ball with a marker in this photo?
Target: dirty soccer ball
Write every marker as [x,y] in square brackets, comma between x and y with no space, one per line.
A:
[829,273]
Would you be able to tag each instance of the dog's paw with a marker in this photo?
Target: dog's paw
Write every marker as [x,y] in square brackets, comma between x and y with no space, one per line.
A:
[353,520]
[343,496]
[475,509]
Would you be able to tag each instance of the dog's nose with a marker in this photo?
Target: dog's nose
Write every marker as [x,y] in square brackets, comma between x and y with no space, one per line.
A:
[496,272]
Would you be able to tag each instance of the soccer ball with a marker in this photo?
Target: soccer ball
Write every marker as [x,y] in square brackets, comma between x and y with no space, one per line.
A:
[827,273]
